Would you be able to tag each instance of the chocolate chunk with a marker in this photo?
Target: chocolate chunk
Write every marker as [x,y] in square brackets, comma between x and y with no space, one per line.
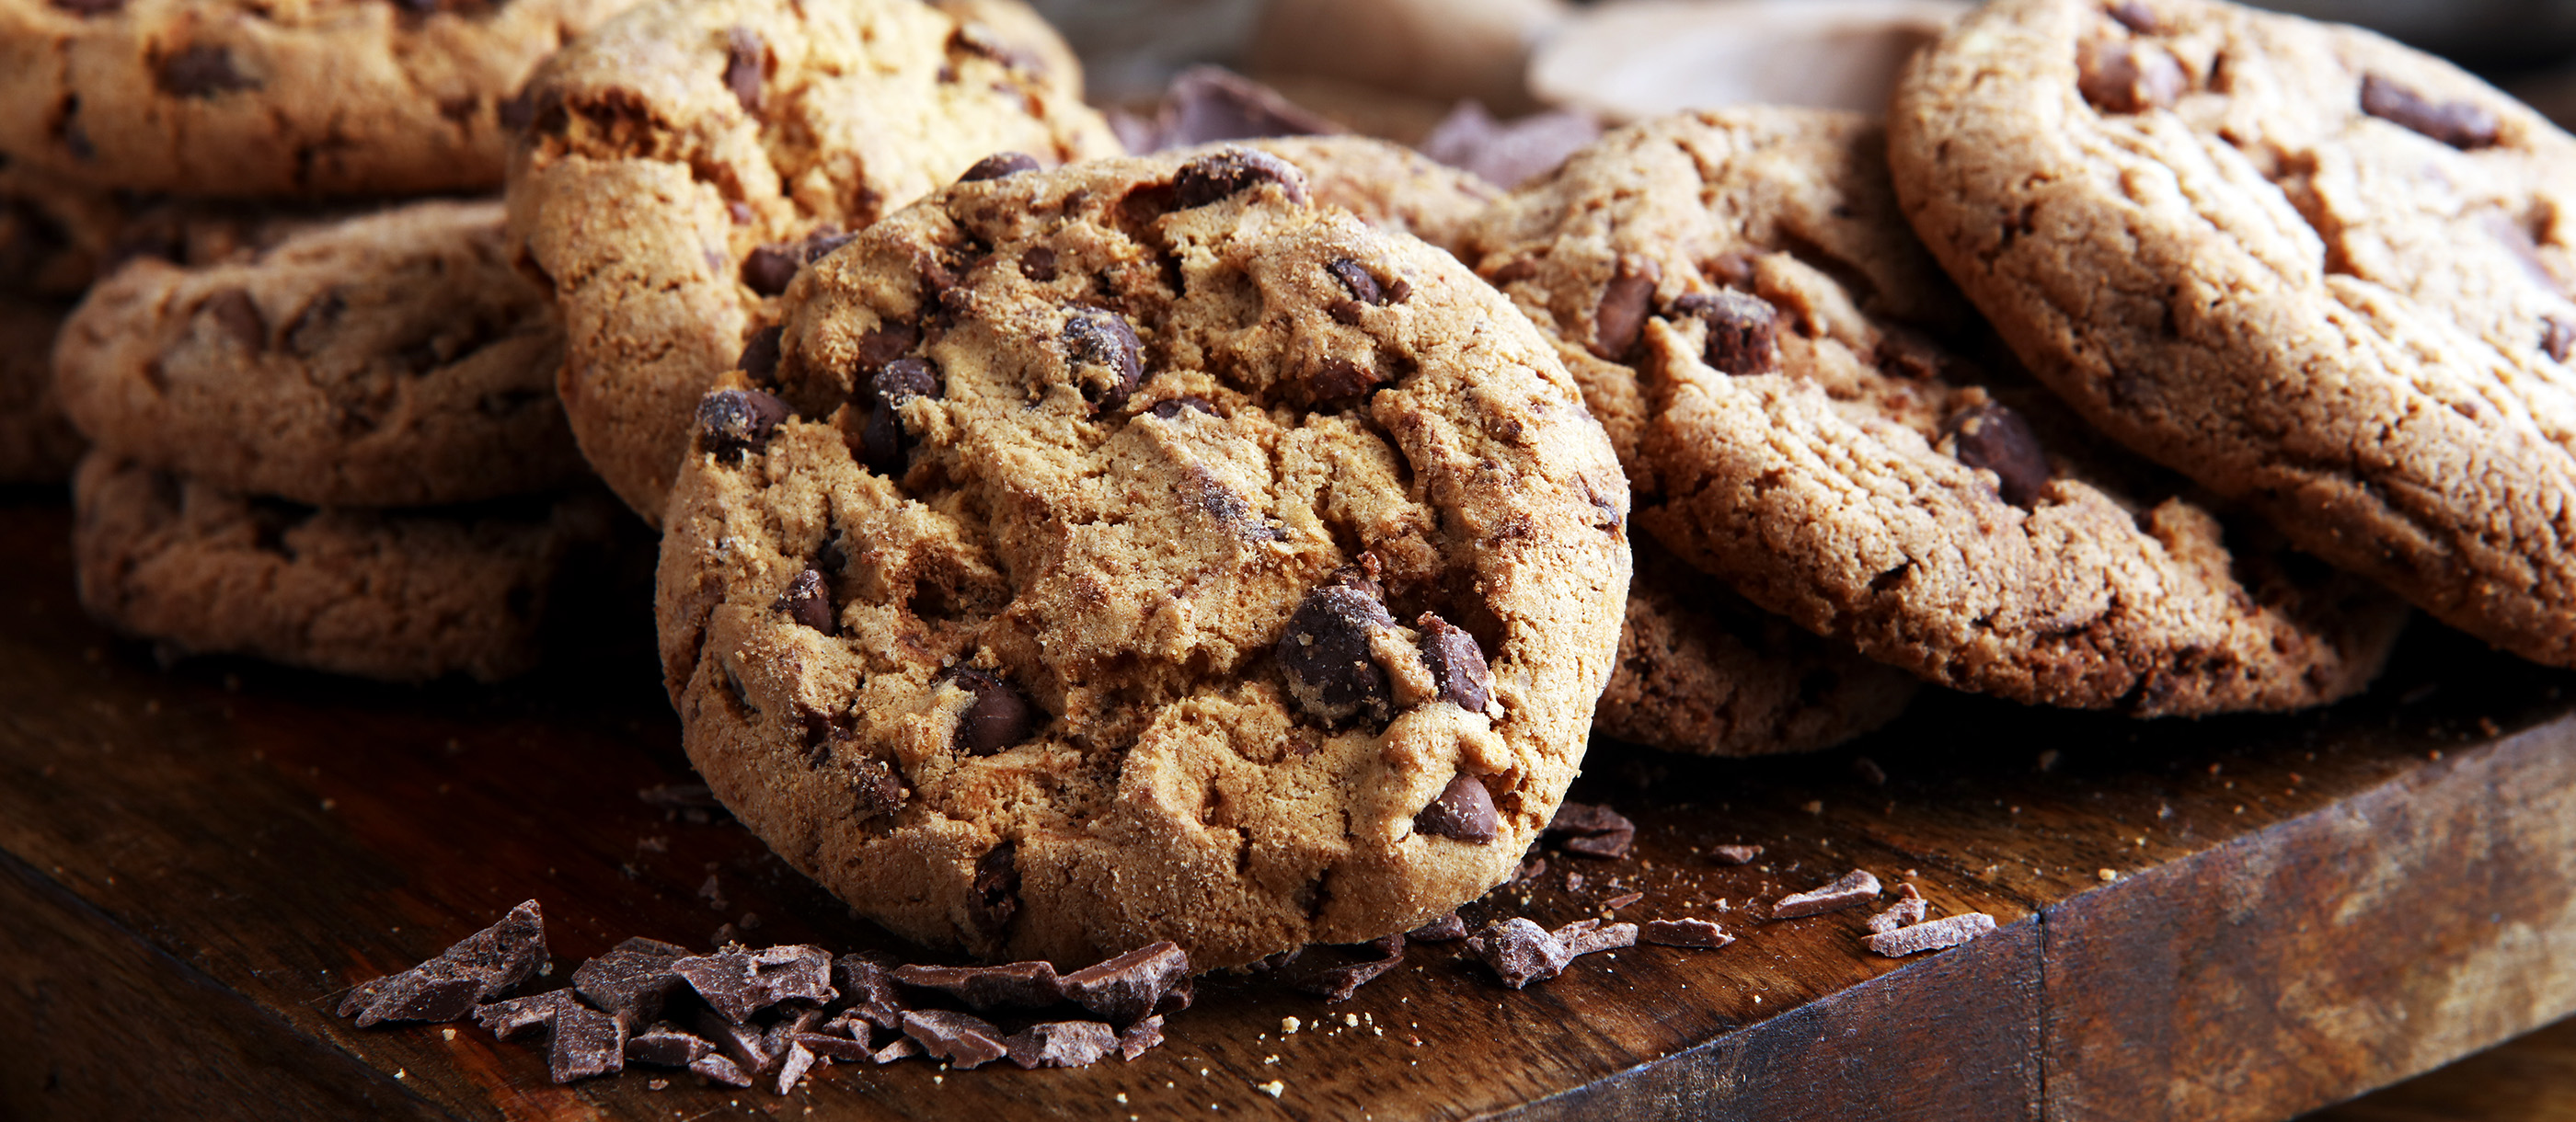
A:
[1508,154]
[747,1045]
[1038,263]
[2557,337]
[1624,303]
[2136,17]
[1907,911]
[449,986]
[1684,933]
[1734,854]
[738,983]
[1446,929]
[809,601]
[901,1048]
[999,716]
[994,895]
[1222,174]
[1854,887]
[1016,985]
[884,345]
[1339,983]
[664,1045]
[1061,1044]
[1520,952]
[1621,900]
[1356,280]
[1140,1037]
[759,360]
[202,70]
[1595,831]
[1105,357]
[794,1060]
[746,60]
[731,422]
[2123,77]
[1324,653]
[1172,408]
[1743,330]
[586,1043]
[1948,931]
[1456,662]
[2460,124]
[882,441]
[770,268]
[239,316]
[1583,937]
[837,1049]
[1335,378]
[1178,997]
[1464,810]
[964,1041]
[999,165]
[1206,104]
[721,1069]
[506,1019]
[867,990]
[1994,437]
[1126,988]
[1531,869]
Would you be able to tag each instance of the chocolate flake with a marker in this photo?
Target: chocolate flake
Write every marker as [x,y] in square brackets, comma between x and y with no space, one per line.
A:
[833,1047]
[1993,436]
[1621,316]
[1102,340]
[902,1047]
[1126,988]
[1939,934]
[793,1062]
[808,600]
[732,422]
[1621,900]
[1446,929]
[1061,1044]
[632,981]
[1520,952]
[1596,831]
[1854,887]
[1222,174]
[1464,810]
[586,1042]
[965,1041]
[998,717]
[1017,985]
[1907,911]
[1743,331]
[2460,124]
[1734,854]
[1508,154]
[448,987]
[999,165]
[664,1045]
[738,983]
[1324,653]
[746,57]
[1140,1037]
[2118,76]
[203,70]
[1339,983]
[1456,662]
[1683,933]
[1583,937]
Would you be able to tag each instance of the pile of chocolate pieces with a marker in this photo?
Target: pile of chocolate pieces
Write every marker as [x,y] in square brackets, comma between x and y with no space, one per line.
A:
[738,1014]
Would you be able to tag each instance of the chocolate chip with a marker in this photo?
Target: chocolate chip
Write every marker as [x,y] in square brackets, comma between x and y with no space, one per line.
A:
[1994,437]
[1172,408]
[90,7]
[881,440]
[1038,263]
[2122,77]
[1220,175]
[738,421]
[1684,933]
[1743,330]
[448,987]
[665,1045]
[745,58]
[886,344]
[867,990]
[993,896]
[962,1040]
[999,165]
[770,268]
[632,981]
[1099,338]
[808,601]
[1948,931]
[2557,337]
[239,316]
[1324,653]
[1016,985]
[1456,662]
[1446,929]
[1464,810]
[1520,952]
[999,716]
[1852,888]
[1624,302]
[1061,1044]
[202,70]
[1126,988]
[1339,983]
[738,983]
[2136,17]
[1139,1037]
[2459,124]
[759,360]
[820,244]
[1335,378]
[1356,280]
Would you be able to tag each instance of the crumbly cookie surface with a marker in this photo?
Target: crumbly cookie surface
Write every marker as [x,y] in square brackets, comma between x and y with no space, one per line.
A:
[1137,551]
[37,445]
[1764,337]
[2317,271]
[684,161]
[398,595]
[326,97]
[395,359]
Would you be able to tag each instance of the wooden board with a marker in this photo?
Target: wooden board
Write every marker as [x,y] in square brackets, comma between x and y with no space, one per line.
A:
[2239,918]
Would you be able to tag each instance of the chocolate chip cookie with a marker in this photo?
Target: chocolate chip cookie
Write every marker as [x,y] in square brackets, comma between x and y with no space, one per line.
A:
[392,360]
[684,162]
[334,97]
[1138,551]
[400,595]
[1789,375]
[36,444]
[2321,273]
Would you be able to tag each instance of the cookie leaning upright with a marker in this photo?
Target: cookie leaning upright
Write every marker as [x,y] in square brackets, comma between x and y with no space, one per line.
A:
[1771,349]
[1138,552]
[2315,270]
[684,161]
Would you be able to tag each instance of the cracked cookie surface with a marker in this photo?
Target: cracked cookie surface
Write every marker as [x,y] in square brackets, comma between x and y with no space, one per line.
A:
[1136,551]
[2319,272]
[1773,353]
[683,162]
[395,359]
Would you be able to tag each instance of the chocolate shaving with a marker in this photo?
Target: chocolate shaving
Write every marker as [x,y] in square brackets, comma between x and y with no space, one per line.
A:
[1622,900]
[903,1047]
[586,1042]
[746,1045]
[1061,1044]
[1446,929]
[1017,985]
[1595,831]
[1339,983]
[1948,931]
[832,1047]
[793,1062]
[1684,933]
[965,1041]
[1520,952]
[1126,988]
[2460,124]
[1854,887]
[448,987]
[506,1019]
[1907,911]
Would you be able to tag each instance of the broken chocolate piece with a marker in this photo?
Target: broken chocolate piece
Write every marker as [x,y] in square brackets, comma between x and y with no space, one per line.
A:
[759,360]
[793,1062]
[1206,104]
[998,718]
[1993,436]
[903,1047]
[2460,124]
[1139,1037]
[1126,988]
[1446,929]
[882,439]
[808,601]
[1520,952]
[1583,937]
[586,1042]
[1907,911]
[1464,810]
[738,983]
[1339,983]
[833,1047]
[999,165]
[1105,357]
[720,1068]
[1178,997]
[1017,985]
[203,70]
[2118,76]
[1743,331]
[1596,831]
[448,987]
[746,57]
[738,421]
[506,1019]
[1853,888]
[964,1041]
[1948,931]
[1684,933]
[1734,854]
[867,990]
[1061,1044]
[1621,900]
[664,1045]
[1222,174]
[1324,653]
[1456,662]
[1621,315]
[746,1045]
[1508,154]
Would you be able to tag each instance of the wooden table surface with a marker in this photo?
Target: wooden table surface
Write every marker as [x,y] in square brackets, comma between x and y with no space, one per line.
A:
[2238,918]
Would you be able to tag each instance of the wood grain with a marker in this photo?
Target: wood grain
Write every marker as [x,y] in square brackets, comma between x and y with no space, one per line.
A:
[273,837]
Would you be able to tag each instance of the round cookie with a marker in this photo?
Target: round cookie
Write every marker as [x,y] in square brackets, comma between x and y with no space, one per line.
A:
[396,359]
[397,595]
[1138,551]
[1760,331]
[2321,273]
[683,162]
[36,444]
[233,99]
[1387,184]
